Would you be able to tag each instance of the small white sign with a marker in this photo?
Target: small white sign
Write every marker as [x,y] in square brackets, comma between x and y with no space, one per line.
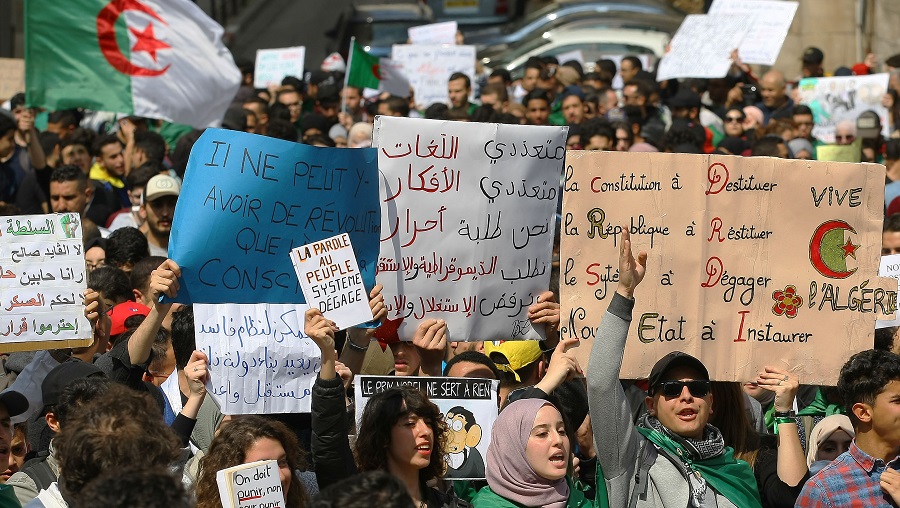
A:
[331,282]
[435,33]
[273,65]
[890,267]
[253,485]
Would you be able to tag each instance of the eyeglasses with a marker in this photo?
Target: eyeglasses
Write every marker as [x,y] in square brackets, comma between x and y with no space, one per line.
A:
[734,119]
[671,389]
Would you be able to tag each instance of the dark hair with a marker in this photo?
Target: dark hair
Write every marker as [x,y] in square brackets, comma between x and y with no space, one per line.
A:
[576,66]
[801,109]
[465,413]
[496,89]
[184,341]
[320,139]
[182,150]
[6,124]
[294,82]
[597,127]
[382,412]
[462,76]
[69,173]
[235,119]
[643,88]
[437,111]
[278,111]
[534,63]
[118,429]
[884,338]
[767,146]
[892,149]
[111,281]
[140,272]
[372,488]
[158,349]
[126,245]
[473,357]
[142,174]
[79,136]
[135,486]
[865,375]
[502,74]
[78,393]
[49,141]
[152,144]
[730,417]
[399,104]
[538,94]
[99,143]
[263,105]
[281,129]
[634,61]
[65,117]
[627,128]
[230,447]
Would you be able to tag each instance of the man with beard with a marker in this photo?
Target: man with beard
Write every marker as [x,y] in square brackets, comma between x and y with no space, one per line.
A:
[158,211]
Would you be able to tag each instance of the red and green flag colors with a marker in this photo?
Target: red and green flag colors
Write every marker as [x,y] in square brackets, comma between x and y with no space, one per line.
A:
[362,71]
[154,58]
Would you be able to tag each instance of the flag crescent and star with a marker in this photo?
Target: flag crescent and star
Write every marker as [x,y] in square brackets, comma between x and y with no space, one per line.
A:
[146,40]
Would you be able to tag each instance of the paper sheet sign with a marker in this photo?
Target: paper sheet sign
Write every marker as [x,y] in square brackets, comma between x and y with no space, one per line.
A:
[692,55]
[435,33]
[253,485]
[752,261]
[331,282]
[836,99]
[273,65]
[42,279]
[890,267]
[771,20]
[468,405]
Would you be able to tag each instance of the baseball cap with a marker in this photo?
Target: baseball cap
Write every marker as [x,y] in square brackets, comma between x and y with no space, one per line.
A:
[518,353]
[123,311]
[15,402]
[813,55]
[672,360]
[161,185]
[62,375]
[868,125]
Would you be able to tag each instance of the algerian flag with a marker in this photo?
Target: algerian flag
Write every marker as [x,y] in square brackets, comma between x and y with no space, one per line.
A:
[362,69]
[393,81]
[153,58]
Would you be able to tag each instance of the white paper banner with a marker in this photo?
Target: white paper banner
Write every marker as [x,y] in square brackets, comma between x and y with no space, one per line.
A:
[435,33]
[890,267]
[843,98]
[42,279]
[429,67]
[260,361]
[468,217]
[771,22]
[273,65]
[702,46]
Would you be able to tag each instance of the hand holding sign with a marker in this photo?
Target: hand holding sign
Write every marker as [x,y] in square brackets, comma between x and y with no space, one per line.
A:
[320,330]
[631,270]
[164,280]
[196,374]
[546,312]
[431,339]
[92,306]
[783,383]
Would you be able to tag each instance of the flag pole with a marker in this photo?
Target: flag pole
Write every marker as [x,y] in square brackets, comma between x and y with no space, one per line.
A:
[347,74]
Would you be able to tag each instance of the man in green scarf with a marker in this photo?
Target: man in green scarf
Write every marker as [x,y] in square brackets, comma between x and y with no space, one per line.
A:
[675,458]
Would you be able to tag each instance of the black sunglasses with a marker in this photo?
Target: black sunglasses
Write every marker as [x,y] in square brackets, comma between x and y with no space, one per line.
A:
[671,389]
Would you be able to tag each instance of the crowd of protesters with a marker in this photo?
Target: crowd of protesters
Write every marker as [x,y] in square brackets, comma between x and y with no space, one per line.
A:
[127,421]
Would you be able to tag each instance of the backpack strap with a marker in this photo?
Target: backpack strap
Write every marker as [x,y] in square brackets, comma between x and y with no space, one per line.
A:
[646,459]
[39,470]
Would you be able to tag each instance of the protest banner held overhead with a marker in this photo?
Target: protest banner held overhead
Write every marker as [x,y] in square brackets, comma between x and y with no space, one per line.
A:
[273,65]
[247,200]
[773,262]
[833,100]
[771,20]
[435,33]
[468,217]
[429,66]
[692,56]
[42,281]
[160,59]
[468,405]
[260,361]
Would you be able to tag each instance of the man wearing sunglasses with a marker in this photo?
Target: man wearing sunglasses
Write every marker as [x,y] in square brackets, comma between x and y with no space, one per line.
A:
[674,458]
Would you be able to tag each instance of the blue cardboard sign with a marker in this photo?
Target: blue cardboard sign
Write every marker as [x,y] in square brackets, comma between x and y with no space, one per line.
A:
[247,200]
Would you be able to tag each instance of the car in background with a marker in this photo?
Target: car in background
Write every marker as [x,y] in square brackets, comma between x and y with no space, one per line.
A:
[473,13]
[377,27]
[651,15]
[593,44]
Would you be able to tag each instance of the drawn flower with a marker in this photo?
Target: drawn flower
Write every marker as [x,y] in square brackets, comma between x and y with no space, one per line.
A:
[787,302]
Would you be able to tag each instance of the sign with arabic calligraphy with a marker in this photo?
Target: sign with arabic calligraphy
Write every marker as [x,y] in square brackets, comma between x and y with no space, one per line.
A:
[752,261]
[429,66]
[468,406]
[42,280]
[331,281]
[248,200]
[260,361]
[468,215]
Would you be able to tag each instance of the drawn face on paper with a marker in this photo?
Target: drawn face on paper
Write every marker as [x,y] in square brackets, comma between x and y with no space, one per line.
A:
[464,432]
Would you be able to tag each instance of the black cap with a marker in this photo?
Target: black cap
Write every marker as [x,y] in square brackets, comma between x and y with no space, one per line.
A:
[672,360]
[15,402]
[685,99]
[317,77]
[63,374]
[813,55]
[893,61]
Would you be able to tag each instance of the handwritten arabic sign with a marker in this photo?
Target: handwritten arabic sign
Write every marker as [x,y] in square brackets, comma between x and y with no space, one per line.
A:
[273,65]
[469,407]
[771,20]
[468,220]
[753,261]
[331,281]
[42,278]
[248,200]
[260,361]
[843,98]
[693,53]
[428,68]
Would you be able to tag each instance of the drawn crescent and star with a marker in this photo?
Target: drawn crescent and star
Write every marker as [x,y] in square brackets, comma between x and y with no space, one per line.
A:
[146,39]
[828,252]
